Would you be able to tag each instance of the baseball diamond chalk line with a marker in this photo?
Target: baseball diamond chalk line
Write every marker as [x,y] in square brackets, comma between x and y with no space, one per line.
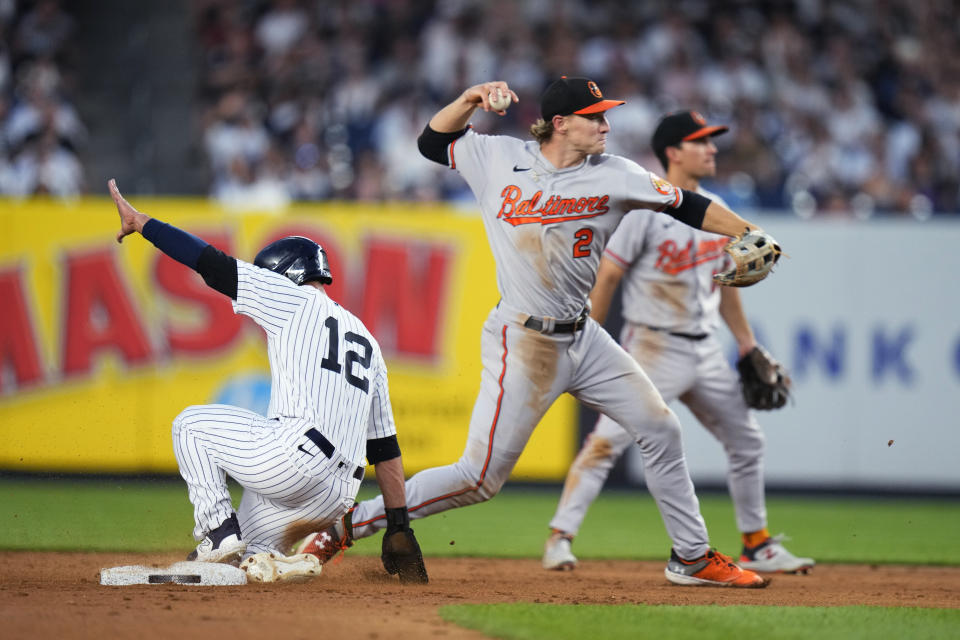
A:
[208,574]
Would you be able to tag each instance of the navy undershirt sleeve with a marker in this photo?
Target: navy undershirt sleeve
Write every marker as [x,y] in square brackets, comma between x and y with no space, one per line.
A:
[183,247]
[692,210]
[218,269]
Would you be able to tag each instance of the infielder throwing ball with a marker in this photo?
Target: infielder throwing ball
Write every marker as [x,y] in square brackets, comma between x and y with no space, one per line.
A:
[672,308]
[301,465]
[549,207]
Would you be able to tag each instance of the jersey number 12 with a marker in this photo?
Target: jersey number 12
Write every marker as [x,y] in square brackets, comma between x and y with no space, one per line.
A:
[331,362]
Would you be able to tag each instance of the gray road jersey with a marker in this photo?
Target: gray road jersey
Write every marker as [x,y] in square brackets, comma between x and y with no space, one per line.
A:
[325,366]
[547,227]
[670,266]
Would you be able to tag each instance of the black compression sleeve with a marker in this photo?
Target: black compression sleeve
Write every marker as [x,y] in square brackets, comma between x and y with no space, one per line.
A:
[219,270]
[433,144]
[692,210]
[382,449]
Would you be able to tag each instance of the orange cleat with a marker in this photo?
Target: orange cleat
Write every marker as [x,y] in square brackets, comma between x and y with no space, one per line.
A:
[329,542]
[711,570]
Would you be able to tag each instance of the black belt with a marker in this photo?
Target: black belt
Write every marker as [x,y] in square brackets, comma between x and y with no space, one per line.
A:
[688,336]
[328,449]
[538,324]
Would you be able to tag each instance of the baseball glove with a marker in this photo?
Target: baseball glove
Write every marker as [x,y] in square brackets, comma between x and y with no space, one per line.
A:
[763,380]
[400,551]
[753,253]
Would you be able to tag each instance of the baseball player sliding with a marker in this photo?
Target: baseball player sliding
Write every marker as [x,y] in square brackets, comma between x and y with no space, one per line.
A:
[301,465]
[672,308]
[549,207]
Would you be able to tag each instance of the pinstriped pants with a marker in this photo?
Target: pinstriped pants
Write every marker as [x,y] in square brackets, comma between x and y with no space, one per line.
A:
[289,489]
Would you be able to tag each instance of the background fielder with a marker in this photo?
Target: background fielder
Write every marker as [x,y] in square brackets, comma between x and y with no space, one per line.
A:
[302,464]
[672,308]
[549,207]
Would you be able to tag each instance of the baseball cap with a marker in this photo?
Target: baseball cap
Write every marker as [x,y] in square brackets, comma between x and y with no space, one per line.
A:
[574,95]
[680,126]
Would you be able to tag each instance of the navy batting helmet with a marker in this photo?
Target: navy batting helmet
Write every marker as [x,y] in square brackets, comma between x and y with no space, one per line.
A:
[300,259]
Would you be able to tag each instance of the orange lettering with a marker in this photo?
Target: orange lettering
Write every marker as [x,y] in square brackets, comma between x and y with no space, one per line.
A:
[510,194]
[517,211]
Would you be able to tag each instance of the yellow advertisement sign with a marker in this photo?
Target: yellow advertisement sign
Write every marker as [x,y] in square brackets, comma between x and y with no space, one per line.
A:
[103,344]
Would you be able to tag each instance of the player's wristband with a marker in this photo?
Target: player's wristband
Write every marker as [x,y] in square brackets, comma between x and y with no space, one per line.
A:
[398,519]
[183,247]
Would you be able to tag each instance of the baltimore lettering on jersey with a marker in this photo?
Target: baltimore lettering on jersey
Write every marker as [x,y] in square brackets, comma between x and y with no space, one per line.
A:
[516,211]
[673,259]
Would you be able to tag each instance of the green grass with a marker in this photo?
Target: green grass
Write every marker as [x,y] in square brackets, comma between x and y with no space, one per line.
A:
[155,516]
[573,622]
[133,515]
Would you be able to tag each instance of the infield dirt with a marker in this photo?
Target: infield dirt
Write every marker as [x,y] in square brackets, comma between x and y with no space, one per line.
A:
[58,595]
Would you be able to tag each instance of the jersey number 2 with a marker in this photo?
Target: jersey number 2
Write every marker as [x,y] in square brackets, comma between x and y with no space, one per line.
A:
[581,248]
[331,362]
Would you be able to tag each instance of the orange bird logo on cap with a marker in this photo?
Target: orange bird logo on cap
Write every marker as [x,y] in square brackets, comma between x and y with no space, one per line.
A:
[594,89]
[699,119]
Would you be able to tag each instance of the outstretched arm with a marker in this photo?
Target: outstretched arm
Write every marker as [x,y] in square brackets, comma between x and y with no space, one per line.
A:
[719,219]
[218,269]
[701,212]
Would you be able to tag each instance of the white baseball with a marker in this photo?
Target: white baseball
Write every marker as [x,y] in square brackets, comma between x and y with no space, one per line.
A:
[500,100]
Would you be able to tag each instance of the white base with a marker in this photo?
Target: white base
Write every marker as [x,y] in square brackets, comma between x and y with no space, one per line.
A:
[198,574]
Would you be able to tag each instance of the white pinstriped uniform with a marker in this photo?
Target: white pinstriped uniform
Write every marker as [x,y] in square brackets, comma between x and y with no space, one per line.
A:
[669,285]
[547,229]
[327,373]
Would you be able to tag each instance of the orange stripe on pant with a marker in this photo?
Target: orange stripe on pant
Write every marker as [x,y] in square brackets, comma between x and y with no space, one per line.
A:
[486,462]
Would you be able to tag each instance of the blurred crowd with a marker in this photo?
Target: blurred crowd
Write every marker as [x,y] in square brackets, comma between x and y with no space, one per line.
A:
[836,107]
[40,129]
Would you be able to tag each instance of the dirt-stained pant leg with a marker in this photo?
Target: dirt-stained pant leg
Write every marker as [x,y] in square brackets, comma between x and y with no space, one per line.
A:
[523,374]
[672,370]
[608,379]
[588,473]
[718,404]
